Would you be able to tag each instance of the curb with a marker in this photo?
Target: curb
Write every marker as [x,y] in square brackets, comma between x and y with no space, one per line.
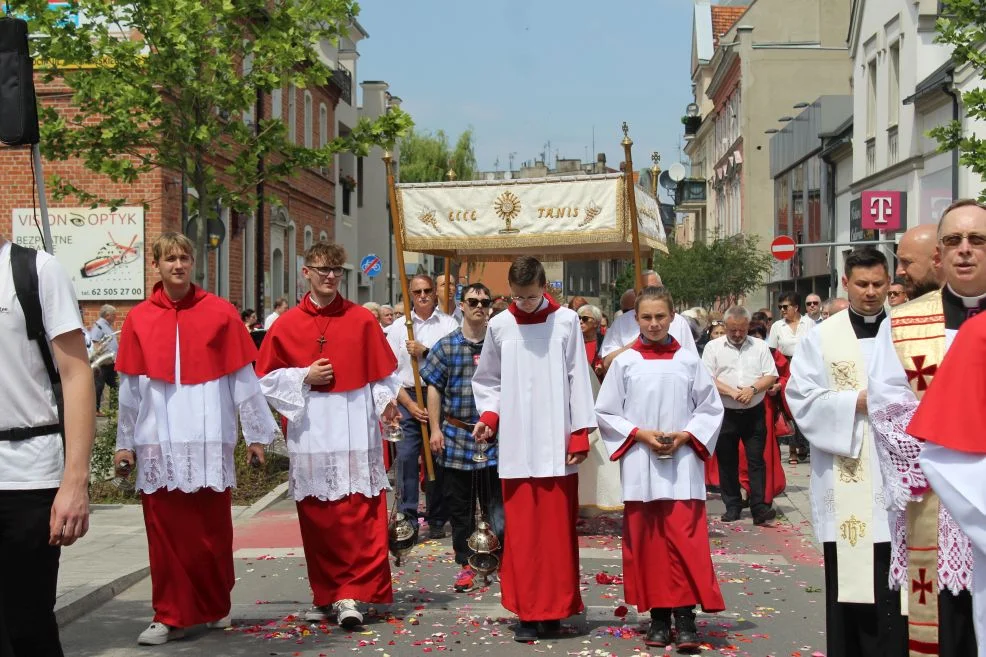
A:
[81,601]
[264,503]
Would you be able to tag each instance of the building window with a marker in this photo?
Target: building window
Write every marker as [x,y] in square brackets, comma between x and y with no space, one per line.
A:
[276,103]
[323,125]
[871,98]
[308,237]
[893,89]
[308,120]
[359,182]
[292,114]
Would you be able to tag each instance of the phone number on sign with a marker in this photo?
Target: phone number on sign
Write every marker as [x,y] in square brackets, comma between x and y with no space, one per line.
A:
[99,292]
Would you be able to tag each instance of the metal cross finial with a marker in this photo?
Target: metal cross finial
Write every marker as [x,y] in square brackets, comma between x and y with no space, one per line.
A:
[626,129]
[655,157]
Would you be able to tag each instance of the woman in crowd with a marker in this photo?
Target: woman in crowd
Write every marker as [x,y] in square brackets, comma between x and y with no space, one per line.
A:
[590,318]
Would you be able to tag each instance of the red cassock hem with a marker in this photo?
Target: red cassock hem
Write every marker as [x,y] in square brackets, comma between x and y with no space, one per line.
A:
[666,558]
[540,572]
[346,548]
[190,545]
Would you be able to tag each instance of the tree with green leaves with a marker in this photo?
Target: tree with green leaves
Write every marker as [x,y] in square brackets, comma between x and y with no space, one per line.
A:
[164,84]
[427,157]
[962,25]
[713,275]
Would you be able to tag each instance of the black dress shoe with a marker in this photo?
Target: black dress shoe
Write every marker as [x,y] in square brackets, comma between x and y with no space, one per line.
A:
[731,515]
[551,628]
[525,632]
[436,532]
[764,517]
[659,633]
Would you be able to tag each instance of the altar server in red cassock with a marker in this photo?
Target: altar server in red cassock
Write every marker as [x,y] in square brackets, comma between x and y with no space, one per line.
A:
[532,385]
[659,414]
[327,368]
[185,364]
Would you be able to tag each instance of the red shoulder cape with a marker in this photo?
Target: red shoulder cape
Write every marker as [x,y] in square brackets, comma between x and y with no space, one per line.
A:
[536,317]
[214,342]
[953,409]
[354,344]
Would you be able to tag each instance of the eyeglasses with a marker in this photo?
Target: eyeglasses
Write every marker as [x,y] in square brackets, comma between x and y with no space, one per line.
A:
[423,292]
[813,303]
[585,318]
[485,303]
[325,271]
[893,294]
[955,239]
[528,299]
[785,306]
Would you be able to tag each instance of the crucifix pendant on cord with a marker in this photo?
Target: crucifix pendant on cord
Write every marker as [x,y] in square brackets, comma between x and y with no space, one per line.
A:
[321,342]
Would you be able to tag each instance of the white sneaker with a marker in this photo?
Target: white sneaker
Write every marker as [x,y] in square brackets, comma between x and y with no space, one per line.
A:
[159,633]
[317,614]
[220,624]
[347,614]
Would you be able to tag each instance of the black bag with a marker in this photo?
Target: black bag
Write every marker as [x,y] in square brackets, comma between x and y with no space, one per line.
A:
[18,105]
[23,266]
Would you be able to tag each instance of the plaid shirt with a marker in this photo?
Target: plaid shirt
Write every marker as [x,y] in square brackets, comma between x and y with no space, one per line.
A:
[449,367]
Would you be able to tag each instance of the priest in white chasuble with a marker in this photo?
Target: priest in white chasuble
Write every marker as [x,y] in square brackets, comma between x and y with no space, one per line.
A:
[827,396]
[945,385]
[533,389]
[659,413]
[328,369]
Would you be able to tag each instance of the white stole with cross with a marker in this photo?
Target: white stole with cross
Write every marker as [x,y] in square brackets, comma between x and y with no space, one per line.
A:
[852,478]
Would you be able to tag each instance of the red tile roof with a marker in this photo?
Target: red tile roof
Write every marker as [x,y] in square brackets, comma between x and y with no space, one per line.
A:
[723,18]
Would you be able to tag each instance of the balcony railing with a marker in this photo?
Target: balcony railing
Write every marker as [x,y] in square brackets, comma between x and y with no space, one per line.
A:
[892,154]
[343,81]
[870,155]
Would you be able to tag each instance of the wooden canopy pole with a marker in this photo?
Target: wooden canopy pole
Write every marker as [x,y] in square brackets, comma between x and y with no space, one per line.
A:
[388,161]
[631,202]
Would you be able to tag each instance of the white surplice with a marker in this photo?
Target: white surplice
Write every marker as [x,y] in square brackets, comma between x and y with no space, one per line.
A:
[184,435]
[599,477]
[958,479]
[334,439]
[892,403]
[536,378]
[676,394]
[625,331]
[829,421]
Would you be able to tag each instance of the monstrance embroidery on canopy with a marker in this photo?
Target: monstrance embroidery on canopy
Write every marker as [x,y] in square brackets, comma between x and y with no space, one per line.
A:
[507,207]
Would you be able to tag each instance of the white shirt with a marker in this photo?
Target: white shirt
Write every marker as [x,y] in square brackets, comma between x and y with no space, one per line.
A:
[426,331]
[27,400]
[740,366]
[101,329]
[271,318]
[184,434]
[536,378]
[783,339]
[625,331]
[676,394]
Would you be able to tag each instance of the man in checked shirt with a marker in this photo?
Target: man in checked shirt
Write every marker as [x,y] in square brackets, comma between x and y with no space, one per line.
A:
[452,413]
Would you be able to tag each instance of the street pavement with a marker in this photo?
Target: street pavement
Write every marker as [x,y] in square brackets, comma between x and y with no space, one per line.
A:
[771,579]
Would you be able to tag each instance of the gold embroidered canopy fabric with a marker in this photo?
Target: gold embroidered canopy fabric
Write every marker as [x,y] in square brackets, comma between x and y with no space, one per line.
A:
[555,218]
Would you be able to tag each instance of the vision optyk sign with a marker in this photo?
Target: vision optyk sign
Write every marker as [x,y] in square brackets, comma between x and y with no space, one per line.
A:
[885,211]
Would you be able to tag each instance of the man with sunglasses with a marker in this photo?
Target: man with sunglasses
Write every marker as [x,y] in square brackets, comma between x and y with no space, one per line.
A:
[933,548]
[813,307]
[430,325]
[452,416]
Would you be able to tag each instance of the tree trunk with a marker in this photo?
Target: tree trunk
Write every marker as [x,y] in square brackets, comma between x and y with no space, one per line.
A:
[200,238]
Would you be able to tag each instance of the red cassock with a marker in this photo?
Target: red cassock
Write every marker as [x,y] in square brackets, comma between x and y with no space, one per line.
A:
[539,575]
[345,540]
[666,559]
[189,535]
[775,480]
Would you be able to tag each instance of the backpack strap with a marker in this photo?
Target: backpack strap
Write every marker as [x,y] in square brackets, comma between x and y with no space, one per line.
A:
[23,266]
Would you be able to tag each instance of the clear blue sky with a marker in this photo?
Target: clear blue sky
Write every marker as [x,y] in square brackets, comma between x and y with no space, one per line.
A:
[522,73]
